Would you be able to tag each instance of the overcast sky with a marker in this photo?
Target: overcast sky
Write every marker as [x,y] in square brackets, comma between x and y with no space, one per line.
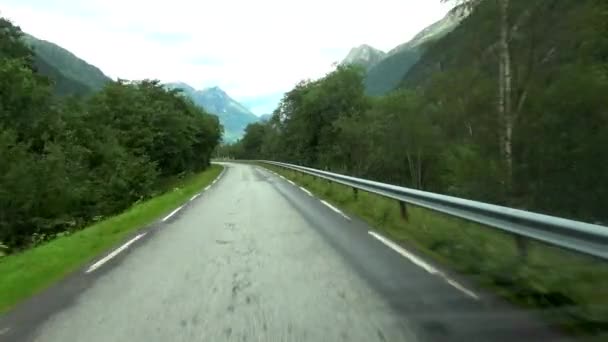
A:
[254,50]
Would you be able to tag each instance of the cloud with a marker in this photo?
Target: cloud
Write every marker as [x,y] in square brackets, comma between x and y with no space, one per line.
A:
[249,48]
[168,37]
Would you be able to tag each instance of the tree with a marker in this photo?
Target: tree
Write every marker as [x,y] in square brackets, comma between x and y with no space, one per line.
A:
[253,140]
[67,162]
[505,80]
[11,46]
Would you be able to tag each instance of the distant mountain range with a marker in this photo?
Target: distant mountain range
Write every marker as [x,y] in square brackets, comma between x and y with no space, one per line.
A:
[74,76]
[386,70]
[233,115]
[71,75]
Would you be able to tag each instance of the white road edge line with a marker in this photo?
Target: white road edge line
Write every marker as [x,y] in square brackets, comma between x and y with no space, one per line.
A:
[335,209]
[114,253]
[4,330]
[172,213]
[306,191]
[460,287]
[194,197]
[217,178]
[422,264]
[290,182]
[404,253]
[207,188]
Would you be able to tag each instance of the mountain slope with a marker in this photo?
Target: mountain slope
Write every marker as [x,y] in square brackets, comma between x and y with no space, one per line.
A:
[233,115]
[61,84]
[364,55]
[65,68]
[429,34]
[386,75]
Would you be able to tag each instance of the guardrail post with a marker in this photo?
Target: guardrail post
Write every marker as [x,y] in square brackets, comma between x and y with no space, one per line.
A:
[356,193]
[522,246]
[403,210]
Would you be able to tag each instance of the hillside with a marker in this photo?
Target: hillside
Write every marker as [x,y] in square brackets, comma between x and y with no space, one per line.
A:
[62,85]
[387,73]
[71,74]
[233,115]
[430,34]
[558,63]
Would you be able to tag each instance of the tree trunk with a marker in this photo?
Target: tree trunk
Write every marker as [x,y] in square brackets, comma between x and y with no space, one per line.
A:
[505,90]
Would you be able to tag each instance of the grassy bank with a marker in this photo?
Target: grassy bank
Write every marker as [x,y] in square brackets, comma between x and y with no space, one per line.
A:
[570,289]
[28,272]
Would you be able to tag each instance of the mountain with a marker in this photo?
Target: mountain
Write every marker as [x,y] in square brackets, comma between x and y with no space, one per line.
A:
[233,115]
[62,85]
[364,55]
[430,34]
[71,74]
[386,74]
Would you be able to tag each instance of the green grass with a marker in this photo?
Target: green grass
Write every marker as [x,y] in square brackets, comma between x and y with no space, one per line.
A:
[571,289]
[27,273]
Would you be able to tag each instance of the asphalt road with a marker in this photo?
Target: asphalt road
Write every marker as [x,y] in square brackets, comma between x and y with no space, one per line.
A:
[255,258]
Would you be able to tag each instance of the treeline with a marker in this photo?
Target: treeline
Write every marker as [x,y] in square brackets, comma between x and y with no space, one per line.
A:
[442,132]
[65,163]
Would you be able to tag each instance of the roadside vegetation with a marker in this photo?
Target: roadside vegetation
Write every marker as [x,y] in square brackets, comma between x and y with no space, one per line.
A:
[566,288]
[508,108]
[69,162]
[25,274]
[443,130]
[79,173]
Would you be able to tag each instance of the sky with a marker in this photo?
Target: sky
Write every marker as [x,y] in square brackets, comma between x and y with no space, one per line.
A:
[254,50]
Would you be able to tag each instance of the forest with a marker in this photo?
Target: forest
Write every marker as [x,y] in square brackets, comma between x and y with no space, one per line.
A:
[509,108]
[66,162]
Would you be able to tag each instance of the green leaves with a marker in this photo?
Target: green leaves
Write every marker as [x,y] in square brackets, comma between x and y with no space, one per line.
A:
[64,163]
[442,132]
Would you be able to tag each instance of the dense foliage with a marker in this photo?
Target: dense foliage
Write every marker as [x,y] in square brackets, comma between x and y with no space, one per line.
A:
[65,163]
[441,130]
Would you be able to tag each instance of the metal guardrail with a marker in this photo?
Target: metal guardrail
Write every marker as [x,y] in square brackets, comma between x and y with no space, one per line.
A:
[582,237]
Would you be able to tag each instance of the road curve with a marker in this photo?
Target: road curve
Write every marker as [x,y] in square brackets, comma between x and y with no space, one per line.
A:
[255,258]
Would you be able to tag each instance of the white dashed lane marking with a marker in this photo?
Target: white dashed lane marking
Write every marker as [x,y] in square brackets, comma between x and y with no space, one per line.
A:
[306,191]
[172,213]
[114,253]
[335,209]
[422,264]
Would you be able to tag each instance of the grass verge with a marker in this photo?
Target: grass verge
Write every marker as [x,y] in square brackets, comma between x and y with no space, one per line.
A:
[570,290]
[26,273]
